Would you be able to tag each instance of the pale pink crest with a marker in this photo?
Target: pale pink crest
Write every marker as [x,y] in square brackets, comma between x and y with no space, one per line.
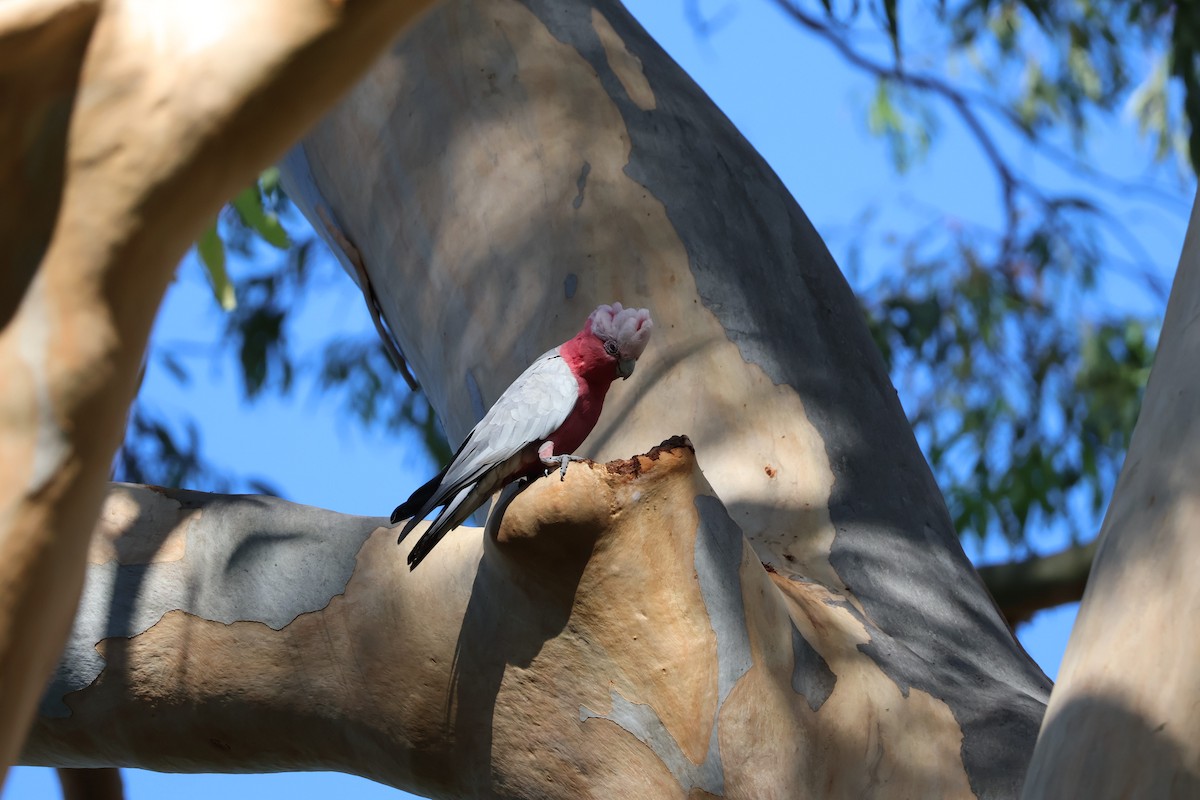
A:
[629,327]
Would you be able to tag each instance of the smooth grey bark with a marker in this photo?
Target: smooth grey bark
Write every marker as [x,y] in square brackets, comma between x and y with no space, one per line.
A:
[1122,721]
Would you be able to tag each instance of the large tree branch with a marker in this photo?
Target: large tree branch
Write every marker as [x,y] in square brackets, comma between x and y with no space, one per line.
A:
[1122,721]
[613,636]
[1022,588]
[131,122]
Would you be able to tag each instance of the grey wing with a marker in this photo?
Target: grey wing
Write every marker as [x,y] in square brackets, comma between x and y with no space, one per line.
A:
[533,407]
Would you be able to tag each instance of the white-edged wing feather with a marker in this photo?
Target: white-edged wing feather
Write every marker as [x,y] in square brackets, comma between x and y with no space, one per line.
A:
[533,407]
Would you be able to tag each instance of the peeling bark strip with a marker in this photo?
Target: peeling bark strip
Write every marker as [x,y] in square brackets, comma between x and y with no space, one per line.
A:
[811,676]
[760,353]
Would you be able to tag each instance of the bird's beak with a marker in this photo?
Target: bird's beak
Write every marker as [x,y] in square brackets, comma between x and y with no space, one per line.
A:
[625,367]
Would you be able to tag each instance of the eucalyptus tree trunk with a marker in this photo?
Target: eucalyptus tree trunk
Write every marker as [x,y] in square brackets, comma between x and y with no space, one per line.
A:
[782,611]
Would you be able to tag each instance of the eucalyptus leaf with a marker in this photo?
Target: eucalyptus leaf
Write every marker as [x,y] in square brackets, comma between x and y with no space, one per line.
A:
[249,207]
[212,254]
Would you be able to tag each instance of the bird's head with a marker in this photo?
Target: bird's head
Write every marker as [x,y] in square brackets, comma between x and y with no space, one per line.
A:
[623,332]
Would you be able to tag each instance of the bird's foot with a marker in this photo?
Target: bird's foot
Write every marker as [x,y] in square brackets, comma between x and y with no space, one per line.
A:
[560,461]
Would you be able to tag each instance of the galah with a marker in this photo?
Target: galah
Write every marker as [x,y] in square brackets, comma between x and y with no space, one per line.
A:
[536,424]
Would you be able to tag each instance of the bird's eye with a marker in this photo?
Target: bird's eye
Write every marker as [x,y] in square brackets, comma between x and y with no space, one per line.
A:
[610,347]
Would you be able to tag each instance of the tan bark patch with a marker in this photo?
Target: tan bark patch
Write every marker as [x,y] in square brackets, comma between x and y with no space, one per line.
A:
[624,64]
[871,739]
[654,649]
[667,673]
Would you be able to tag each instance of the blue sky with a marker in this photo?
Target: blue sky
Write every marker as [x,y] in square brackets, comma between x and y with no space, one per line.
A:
[803,109]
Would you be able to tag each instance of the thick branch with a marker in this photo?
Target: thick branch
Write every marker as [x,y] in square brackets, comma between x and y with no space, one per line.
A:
[140,119]
[1022,588]
[42,45]
[614,636]
[1122,721]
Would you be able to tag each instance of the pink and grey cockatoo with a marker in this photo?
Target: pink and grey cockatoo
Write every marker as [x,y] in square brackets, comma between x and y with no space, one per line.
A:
[535,425]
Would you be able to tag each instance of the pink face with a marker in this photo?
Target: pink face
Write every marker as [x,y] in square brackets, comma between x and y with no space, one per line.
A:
[624,333]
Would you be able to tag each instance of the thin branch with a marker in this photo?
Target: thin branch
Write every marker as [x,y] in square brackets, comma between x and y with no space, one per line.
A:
[1009,183]
[1022,588]
[1139,258]
[1054,152]
[707,24]
[965,103]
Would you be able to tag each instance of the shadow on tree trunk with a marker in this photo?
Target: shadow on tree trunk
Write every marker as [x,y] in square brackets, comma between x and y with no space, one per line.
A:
[521,598]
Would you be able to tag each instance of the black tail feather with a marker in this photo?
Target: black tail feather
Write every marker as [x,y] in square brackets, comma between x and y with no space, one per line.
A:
[416,502]
[425,544]
[407,529]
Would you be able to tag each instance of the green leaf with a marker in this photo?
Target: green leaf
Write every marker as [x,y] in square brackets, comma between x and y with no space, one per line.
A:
[212,254]
[1083,72]
[248,205]
[268,180]
[262,347]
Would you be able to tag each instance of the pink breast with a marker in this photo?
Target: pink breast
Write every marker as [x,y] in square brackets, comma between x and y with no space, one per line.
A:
[580,421]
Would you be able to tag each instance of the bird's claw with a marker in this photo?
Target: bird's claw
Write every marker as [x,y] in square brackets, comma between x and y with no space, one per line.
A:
[561,462]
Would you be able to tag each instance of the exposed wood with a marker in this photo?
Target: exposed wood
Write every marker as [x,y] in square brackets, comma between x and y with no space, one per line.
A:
[1122,720]
[1023,588]
[132,121]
